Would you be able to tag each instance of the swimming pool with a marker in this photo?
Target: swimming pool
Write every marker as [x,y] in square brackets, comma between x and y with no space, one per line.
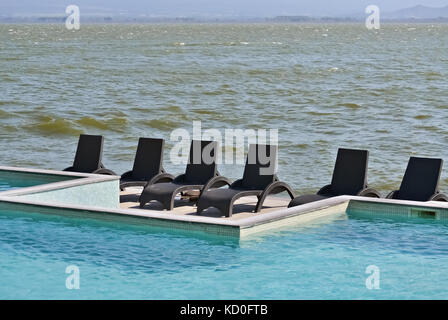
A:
[10,180]
[58,188]
[324,259]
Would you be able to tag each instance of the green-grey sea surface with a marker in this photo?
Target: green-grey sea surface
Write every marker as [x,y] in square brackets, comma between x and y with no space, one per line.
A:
[321,86]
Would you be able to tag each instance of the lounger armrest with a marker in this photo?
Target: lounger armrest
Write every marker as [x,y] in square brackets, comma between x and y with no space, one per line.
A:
[215,182]
[392,194]
[237,183]
[369,192]
[161,177]
[127,174]
[438,197]
[273,188]
[104,171]
[179,178]
[68,169]
[325,190]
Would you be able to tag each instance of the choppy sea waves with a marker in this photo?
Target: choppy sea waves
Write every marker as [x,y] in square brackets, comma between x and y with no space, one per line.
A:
[321,86]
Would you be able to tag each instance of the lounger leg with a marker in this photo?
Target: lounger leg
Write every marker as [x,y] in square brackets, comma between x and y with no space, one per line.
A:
[142,204]
[439,197]
[274,188]
[199,210]
[142,199]
[225,209]
[168,202]
[369,192]
[228,210]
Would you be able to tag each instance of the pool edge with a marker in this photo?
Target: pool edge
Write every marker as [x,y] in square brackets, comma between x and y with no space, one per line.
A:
[235,228]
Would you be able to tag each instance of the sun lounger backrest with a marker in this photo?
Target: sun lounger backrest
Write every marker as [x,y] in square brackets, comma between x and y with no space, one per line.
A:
[350,172]
[88,153]
[201,166]
[148,159]
[421,179]
[258,172]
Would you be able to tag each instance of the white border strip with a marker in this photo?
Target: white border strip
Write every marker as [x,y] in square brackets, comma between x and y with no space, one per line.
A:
[84,178]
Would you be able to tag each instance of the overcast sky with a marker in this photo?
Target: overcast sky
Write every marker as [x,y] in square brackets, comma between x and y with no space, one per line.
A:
[260,8]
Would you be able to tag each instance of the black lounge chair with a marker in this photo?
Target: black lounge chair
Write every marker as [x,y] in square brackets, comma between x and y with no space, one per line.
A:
[147,167]
[199,172]
[420,181]
[349,178]
[255,182]
[88,156]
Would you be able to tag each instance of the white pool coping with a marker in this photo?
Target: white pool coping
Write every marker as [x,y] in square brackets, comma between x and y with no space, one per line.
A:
[84,178]
[244,226]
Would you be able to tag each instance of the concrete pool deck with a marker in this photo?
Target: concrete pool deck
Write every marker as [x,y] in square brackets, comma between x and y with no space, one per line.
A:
[241,210]
[98,196]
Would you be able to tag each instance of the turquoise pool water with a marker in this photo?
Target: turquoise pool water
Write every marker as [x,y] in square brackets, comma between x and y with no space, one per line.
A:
[12,180]
[326,259]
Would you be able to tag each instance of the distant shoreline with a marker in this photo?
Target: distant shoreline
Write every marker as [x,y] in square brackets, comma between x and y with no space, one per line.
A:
[276,20]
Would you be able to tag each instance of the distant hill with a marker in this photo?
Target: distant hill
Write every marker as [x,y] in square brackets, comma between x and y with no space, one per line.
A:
[418,12]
